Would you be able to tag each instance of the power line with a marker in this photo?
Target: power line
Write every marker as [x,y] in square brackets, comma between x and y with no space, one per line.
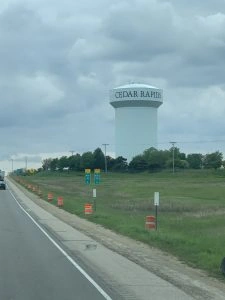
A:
[196,142]
[180,142]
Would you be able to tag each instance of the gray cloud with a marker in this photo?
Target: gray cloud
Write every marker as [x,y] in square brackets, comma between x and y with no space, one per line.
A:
[59,60]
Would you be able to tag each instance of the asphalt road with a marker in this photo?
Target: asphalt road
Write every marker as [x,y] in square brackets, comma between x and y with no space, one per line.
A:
[31,265]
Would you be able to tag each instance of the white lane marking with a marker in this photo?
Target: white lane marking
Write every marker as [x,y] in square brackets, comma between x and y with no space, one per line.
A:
[101,291]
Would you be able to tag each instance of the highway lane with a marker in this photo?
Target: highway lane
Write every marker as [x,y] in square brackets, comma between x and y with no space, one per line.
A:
[31,266]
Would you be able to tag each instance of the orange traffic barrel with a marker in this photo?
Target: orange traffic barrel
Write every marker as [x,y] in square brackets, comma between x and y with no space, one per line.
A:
[150,222]
[50,197]
[88,209]
[60,201]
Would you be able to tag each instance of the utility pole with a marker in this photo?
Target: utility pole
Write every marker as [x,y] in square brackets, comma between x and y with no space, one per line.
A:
[105,157]
[173,143]
[72,152]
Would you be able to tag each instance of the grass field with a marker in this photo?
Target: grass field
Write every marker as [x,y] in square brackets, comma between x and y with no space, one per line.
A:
[191,212]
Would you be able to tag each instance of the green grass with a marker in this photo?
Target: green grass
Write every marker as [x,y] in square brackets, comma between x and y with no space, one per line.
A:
[191,214]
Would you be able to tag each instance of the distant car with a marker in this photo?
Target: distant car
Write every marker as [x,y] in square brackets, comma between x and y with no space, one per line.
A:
[2,185]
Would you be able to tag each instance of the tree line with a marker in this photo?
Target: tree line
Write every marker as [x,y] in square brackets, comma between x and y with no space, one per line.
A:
[150,160]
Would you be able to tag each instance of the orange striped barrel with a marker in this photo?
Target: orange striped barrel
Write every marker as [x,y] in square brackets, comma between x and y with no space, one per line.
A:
[150,222]
[60,201]
[50,197]
[88,209]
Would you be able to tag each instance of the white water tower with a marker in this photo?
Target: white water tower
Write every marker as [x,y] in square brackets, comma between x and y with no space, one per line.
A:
[135,118]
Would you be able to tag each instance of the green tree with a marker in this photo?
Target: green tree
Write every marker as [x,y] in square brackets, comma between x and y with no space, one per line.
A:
[182,156]
[178,158]
[54,164]
[87,160]
[182,164]
[63,162]
[120,164]
[75,162]
[177,153]
[156,159]
[213,160]
[138,163]
[99,159]
[195,160]
[110,162]
[46,163]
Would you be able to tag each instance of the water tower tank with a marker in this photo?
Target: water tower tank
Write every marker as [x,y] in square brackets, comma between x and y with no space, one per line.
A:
[135,118]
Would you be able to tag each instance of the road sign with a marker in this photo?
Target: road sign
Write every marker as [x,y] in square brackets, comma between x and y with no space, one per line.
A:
[156,203]
[87,176]
[97,176]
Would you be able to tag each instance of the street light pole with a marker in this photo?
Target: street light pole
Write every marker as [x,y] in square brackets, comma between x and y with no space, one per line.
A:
[105,157]
[173,143]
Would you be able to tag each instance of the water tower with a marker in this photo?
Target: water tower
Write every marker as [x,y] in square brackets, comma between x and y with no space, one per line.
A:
[135,118]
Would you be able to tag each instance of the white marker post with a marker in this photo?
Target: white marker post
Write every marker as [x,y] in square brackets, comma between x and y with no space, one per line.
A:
[94,196]
[156,203]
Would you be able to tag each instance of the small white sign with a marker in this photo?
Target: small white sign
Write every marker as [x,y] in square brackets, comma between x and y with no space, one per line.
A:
[156,198]
[94,193]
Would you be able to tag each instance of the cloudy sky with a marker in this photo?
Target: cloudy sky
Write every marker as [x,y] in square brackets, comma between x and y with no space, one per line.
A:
[59,59]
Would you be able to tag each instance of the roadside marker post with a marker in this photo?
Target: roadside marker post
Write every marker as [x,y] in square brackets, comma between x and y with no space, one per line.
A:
[156,203]
[94,196]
